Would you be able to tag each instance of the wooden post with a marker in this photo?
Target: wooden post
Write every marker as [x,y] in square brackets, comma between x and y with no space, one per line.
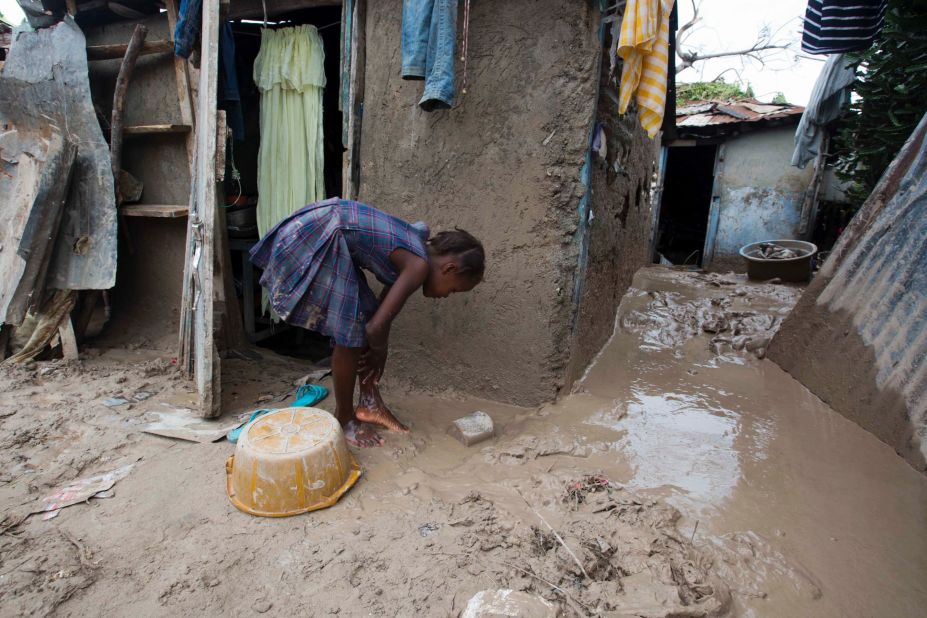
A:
[351,173]
[119,101]
[203,219]
[68,340]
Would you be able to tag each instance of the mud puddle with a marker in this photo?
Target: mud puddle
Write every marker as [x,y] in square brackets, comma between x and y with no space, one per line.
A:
[685,476]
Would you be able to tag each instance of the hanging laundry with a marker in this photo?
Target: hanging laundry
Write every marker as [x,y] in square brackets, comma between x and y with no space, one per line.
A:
[290,74]
[830,93]
[836,26]
[187,30]
[229,96]
[429,38]
[644,47]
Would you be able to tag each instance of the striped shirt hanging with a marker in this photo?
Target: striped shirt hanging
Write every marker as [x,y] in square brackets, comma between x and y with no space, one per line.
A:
[837,26]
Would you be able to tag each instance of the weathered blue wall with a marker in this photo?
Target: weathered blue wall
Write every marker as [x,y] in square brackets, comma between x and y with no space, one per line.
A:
[760,194]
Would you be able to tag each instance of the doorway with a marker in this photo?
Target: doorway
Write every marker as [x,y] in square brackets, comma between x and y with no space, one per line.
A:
[241,186]
[686,202]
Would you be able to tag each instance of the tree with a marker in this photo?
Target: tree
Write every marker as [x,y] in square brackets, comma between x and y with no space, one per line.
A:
[718,90]
[767,41]
[891,89]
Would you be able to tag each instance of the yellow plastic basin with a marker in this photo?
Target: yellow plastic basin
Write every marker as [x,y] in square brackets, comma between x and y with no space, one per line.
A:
[290,461]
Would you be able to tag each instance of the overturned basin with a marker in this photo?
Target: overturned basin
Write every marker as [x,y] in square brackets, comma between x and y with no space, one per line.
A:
[787,269]
[288,462]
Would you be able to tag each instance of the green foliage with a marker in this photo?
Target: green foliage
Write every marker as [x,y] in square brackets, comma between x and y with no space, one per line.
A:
[718,90]
[891,89]
[779,99]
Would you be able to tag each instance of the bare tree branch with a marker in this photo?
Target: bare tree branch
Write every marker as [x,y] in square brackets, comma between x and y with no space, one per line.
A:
[766,41]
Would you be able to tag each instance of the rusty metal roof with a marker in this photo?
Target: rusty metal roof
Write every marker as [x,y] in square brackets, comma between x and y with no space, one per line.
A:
[708,113]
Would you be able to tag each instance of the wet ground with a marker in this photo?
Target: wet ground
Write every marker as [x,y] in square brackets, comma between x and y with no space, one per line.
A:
[688,475]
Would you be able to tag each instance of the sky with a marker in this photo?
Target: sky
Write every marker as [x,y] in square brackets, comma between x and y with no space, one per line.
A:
[724,25]
[11,10]
[734,24]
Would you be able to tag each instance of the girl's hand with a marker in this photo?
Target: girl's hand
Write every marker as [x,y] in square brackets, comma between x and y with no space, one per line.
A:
[373,360]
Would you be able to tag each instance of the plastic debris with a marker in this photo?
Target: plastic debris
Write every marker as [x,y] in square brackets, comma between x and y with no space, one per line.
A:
[82,490]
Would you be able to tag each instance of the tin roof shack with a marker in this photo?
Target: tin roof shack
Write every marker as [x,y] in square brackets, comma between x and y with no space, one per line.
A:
[512,162]
[728,182]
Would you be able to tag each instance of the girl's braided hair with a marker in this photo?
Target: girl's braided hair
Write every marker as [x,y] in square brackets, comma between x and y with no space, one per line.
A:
[471,259]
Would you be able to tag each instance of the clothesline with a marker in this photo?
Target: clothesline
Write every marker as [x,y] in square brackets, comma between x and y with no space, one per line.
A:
[280,23]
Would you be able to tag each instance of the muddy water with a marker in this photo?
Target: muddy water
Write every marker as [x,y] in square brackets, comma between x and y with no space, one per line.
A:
[739,446]
[803,512]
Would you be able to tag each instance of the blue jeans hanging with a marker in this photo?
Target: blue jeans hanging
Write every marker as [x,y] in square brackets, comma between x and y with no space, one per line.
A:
[429,36]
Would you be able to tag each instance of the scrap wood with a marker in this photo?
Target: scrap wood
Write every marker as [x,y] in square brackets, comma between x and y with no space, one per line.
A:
[36,163]
[119,99]
[52,62]
[47,323]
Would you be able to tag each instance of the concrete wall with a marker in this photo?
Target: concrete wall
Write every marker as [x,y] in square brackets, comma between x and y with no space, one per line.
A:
[857,337]
[485,166]
[619,228]
[760,194]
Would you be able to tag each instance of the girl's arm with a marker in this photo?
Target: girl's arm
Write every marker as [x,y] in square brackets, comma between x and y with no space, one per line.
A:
[413,271]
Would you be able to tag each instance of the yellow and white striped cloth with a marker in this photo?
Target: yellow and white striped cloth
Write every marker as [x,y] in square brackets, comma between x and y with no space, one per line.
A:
[644,47]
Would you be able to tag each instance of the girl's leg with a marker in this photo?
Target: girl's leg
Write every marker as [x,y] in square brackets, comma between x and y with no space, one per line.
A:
[344,375]
[371,409]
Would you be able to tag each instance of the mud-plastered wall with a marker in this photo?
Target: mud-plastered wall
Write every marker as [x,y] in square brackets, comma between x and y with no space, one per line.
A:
[504,163]
[619,220]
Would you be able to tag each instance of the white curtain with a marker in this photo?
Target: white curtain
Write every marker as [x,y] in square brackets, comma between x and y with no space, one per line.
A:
[290,73]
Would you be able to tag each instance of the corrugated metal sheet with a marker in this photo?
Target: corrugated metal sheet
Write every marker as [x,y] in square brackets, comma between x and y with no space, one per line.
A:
[707,113]
[882,283]
[858,337]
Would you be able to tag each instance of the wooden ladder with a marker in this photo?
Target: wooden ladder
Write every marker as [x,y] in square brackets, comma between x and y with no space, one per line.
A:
[207,280]
[185,129]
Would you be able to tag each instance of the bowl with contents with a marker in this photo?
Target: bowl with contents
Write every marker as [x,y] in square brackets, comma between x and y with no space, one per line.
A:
[788,260]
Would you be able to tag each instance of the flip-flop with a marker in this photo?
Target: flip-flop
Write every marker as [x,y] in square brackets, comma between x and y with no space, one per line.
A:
[309,395]
[233,435]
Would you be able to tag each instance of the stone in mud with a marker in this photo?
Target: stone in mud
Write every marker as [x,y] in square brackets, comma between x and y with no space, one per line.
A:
[472,429]
[508,603]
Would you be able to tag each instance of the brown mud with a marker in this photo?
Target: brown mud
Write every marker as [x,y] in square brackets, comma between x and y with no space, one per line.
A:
[680,478]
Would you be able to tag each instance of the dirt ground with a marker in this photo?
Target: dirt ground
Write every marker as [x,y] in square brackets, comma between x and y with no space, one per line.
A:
[684,476]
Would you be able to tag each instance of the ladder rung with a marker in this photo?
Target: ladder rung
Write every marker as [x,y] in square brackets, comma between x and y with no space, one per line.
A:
[155,129]
[164,211]
[112,52]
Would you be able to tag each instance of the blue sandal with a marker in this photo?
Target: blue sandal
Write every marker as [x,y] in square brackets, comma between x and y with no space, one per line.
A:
[309,395]
[306,395]
[233,435]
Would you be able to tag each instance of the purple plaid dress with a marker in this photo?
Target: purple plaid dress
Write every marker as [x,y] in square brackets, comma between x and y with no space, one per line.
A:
[312,263]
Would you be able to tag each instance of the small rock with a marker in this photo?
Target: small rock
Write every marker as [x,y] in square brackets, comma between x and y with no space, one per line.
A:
[262,606]
[503,603]
[114,402]
[473,428]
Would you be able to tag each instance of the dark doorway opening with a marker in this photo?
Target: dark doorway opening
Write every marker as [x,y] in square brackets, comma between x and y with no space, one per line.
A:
[241,180]
[686,202]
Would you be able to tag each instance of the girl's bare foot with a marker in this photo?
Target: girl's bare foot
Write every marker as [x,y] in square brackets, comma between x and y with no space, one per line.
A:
[361,435]
[372,412]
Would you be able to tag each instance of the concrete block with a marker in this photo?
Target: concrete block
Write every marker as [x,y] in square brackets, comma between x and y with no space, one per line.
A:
[472,428]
